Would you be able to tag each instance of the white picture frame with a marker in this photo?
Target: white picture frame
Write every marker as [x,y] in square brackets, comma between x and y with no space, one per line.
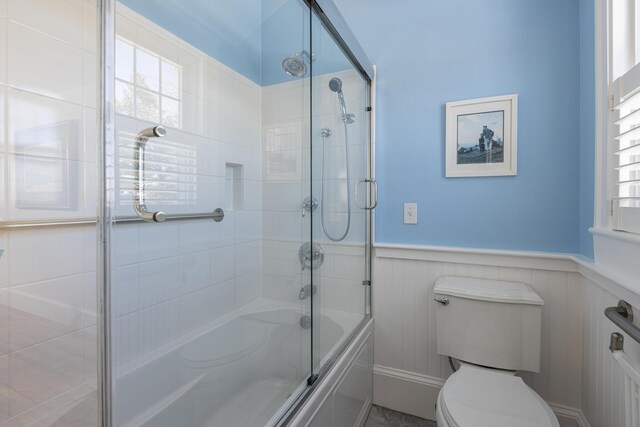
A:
[482,137]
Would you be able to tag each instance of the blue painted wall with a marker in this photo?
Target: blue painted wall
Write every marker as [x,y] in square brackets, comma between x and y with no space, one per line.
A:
[429,53]
[587,124]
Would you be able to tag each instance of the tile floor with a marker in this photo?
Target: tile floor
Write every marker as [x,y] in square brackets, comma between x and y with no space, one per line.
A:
[383,417]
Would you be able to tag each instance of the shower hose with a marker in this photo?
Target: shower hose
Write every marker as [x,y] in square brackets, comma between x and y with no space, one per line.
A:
[322,196]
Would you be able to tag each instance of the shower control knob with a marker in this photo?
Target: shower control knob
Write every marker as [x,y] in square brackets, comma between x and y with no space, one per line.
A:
[443,301]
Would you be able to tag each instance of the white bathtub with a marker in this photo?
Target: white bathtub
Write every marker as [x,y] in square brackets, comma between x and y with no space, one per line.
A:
[242,372]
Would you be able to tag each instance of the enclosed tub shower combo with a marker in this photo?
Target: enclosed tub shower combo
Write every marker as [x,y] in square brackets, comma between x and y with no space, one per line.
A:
[227,148]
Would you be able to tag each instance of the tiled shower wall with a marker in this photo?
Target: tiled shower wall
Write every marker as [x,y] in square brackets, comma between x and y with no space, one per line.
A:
[48,134]
[176,277]
[171,278]
[228,148]
[285,132]
[288,164]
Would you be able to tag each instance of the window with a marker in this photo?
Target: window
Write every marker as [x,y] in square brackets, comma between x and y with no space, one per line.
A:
[624,118]
[147,85]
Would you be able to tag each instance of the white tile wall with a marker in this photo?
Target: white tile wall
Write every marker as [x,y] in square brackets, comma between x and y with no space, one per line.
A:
[286,170]
[170,278]
[181,276]
[48,137]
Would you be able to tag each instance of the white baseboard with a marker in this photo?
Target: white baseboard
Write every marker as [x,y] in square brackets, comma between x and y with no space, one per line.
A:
[417,394]
[405,391]
[569,416]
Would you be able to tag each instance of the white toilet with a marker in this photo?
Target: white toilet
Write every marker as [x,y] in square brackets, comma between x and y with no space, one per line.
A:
[493,329]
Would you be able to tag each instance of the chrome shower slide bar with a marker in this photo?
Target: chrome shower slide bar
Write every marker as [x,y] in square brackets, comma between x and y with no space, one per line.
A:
[217,215]
[622,317]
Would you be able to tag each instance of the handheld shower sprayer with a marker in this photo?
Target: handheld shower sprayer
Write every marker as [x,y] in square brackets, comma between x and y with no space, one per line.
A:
[335,85]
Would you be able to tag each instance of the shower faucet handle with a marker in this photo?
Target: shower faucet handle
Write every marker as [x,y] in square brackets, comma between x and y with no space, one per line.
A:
[309,204]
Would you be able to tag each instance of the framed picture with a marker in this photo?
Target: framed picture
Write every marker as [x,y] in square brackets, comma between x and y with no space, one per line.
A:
[482,137]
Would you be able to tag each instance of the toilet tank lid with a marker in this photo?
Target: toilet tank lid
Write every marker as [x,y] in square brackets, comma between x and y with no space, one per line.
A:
[487,290]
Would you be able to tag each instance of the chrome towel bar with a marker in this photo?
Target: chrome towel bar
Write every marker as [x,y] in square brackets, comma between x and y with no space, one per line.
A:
[622,317]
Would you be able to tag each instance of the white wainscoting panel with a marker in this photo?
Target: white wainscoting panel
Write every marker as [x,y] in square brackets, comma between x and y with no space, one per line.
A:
[578,376]
[602,379]
[405,333]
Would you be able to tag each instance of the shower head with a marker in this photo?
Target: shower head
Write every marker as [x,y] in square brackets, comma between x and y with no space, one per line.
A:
[335,84]
[295,65]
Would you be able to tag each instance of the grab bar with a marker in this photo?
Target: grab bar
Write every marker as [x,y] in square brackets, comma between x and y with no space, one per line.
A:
[138,201]
[622,317]
[374,184]
[217,215]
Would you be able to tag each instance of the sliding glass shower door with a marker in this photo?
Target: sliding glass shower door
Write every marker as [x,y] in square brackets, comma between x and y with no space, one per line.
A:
[340,170]
[240,216]
[211,303]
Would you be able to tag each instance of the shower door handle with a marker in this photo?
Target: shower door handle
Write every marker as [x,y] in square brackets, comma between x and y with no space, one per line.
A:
[139,156]
[374,185]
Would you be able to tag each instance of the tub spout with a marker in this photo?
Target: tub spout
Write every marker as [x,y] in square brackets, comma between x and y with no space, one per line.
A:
[306,291]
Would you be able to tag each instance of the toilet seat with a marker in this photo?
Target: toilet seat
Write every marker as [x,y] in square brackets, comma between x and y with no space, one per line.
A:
[477,397]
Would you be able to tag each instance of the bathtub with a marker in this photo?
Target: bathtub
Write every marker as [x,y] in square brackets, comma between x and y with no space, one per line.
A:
[243,371]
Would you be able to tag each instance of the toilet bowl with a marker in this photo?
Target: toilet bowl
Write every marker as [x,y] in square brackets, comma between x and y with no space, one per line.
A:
[495,327]
[480,397]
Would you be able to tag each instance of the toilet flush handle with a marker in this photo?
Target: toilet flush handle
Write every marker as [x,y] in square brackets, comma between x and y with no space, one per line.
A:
[443,301]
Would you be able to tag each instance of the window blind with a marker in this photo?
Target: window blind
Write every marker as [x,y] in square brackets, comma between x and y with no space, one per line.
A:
[625,158]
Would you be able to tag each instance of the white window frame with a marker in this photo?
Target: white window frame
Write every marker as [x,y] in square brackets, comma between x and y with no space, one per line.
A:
[604,76]
[160,93]
[615,252]
[621,58]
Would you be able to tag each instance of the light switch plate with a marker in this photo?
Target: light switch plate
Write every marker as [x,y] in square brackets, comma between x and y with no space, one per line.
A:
[410,213]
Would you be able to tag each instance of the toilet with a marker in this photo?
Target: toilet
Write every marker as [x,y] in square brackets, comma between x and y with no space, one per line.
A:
[492,328]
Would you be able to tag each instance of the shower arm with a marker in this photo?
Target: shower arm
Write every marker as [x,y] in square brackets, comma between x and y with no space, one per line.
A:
[139,156]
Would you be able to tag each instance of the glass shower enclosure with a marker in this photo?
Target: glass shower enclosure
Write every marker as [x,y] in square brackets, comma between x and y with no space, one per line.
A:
[237,211]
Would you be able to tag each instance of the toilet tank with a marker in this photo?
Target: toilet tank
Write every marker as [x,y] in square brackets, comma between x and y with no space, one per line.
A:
[489,322]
